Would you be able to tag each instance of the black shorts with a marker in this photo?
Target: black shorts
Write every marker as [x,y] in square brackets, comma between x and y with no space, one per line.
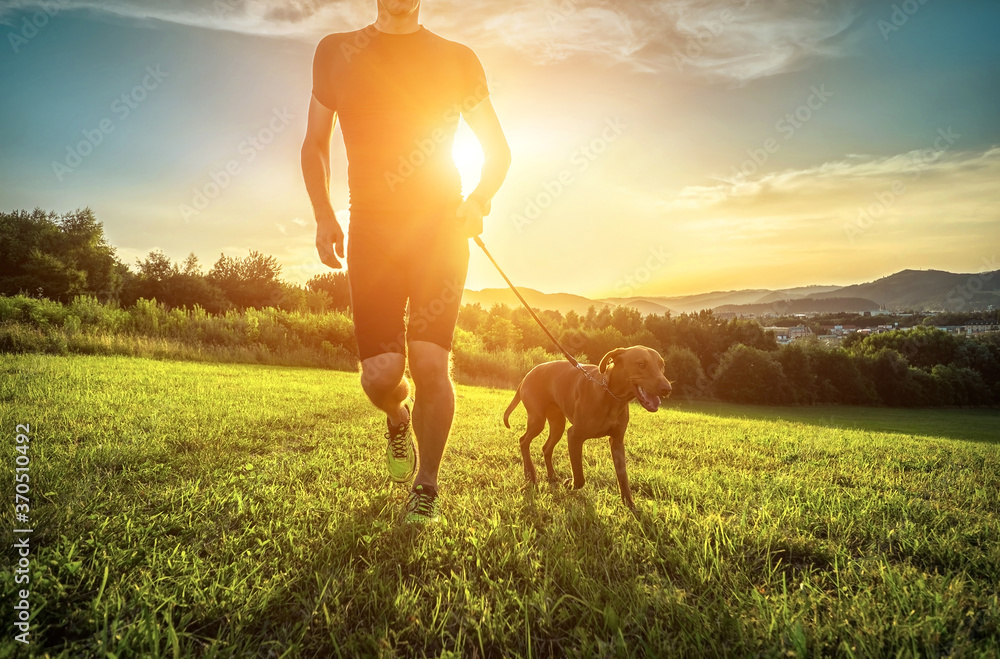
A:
[422,259]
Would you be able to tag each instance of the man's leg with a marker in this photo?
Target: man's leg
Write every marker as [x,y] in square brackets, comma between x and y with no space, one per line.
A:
[377,284]
[433,407]
[385,385]
[383,382]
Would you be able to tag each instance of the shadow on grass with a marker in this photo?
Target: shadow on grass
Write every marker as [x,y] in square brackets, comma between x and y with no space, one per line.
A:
[971,424]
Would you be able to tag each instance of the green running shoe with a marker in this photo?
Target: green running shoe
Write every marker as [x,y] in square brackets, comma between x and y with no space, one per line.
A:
[422,506]
[400,453]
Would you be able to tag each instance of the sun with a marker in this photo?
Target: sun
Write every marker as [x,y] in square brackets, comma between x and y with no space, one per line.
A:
[468,157]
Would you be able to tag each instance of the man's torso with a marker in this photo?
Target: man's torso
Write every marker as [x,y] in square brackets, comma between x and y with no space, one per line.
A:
[399,98]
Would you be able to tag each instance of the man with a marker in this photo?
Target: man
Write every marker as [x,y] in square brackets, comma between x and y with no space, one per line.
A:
[399,91]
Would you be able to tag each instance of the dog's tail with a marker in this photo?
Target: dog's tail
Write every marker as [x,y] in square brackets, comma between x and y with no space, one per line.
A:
[510,408]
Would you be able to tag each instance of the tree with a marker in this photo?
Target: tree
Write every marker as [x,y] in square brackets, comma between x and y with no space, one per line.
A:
[924,347]
[532,336]
[158,278]
[602,319]
[57,256]
[626,320]
[890,373]
[248,282]
[573,340]
[154,276]
[683,369]
[839,378]
[749,333]
[801,380]
[750,375]
[335,285]
[500,334]
[471,316]
[293,298]
[601,342]
[960,386]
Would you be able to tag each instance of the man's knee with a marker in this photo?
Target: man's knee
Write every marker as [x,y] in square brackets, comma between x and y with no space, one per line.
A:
[429,364]
[382,373]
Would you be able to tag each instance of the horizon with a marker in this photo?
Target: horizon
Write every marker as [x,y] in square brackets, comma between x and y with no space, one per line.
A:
[738,290]
[684,148]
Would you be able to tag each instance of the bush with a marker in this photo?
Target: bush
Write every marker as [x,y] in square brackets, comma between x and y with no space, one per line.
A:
[333,287]
[643,337]
[499,346]
[750,375]
[573,340]
[798,369]
[601,342]
[961,386]
[500,334]
[685,373]
[892,377]
[839,378]
[498,368]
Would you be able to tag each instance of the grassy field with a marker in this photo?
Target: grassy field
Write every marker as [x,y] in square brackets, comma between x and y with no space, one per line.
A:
[185,509]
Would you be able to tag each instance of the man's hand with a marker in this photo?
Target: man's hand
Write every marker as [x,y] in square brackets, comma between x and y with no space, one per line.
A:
[330,235]
[470,218]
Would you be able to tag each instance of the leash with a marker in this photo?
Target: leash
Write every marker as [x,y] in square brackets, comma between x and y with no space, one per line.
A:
[570,358]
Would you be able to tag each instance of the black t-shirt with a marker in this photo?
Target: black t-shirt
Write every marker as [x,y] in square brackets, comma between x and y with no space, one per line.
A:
[399,98]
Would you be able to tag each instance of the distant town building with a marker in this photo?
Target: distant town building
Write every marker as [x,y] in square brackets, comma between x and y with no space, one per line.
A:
[799,332]
[840,330]
[781,334]
[785,335]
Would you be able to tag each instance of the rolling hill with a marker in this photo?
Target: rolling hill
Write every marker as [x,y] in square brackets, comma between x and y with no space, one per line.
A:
[928,290]
[803,305]
[561,302]
[908,290]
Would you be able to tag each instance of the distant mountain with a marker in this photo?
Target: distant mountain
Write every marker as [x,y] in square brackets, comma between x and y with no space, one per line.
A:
[928,290]
[774,298]
[688,303]
[646,307]
[916,290]
[804,305]
[561,302]
[810,290]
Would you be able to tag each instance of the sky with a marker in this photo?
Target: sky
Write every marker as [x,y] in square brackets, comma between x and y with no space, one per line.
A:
[658,148]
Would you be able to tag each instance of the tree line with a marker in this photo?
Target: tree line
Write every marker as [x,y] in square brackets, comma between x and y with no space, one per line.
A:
[65,289]
[59,257]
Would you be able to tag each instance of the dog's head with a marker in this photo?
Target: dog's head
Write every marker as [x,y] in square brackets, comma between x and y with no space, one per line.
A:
[642,368]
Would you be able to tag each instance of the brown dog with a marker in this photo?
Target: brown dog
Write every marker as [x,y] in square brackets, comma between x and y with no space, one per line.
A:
[556,391]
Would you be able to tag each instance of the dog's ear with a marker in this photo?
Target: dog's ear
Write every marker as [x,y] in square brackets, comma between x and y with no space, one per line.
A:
[609,358]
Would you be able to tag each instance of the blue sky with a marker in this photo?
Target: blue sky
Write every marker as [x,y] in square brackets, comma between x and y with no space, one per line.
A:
[696,89]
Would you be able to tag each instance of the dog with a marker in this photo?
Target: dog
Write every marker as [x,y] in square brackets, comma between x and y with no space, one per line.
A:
[556,391]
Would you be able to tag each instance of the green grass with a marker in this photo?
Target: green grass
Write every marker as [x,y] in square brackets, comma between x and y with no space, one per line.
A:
[191,509]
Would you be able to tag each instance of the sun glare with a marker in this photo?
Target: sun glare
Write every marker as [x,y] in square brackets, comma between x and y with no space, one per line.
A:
[468,157]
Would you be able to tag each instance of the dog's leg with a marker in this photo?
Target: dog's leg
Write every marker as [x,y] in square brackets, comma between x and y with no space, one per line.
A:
[575,442]
[557,424]
[536,423]
[618,455]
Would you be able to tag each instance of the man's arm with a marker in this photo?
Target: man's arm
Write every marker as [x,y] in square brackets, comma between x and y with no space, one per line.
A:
[316,172]
[484,123]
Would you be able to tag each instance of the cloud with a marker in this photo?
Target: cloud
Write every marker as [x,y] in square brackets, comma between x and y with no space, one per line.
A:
[921,171]
[926,204]
[729,41]
[297,18]
[749,39]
